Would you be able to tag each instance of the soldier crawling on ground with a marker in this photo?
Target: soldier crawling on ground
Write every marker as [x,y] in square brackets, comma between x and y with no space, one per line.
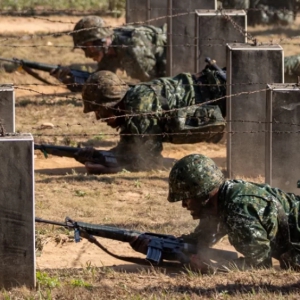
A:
[138,50]
[261,222]
[148,114]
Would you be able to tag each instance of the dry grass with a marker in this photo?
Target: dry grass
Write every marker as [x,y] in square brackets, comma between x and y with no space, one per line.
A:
[150,283]
[131,200]
[288,37]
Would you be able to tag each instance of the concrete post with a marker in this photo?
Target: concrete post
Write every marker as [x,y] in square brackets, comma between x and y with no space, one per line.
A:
[215,29]
[17,233]
[7,107]
[141,11]
[249,69]
[181,34]
[282,136]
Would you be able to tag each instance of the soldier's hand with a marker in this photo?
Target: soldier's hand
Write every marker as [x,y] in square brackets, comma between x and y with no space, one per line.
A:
[84,155]
[61,73]
[140,244]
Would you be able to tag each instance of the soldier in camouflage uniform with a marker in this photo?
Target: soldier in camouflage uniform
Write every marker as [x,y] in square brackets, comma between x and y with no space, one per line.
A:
[291,69]
[149,114]
[139,50]
[261,222]
[280,12]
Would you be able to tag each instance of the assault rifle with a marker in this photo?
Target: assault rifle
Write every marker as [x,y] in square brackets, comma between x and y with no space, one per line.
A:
[212,64]
[102,157]
[79,77]
[160,247]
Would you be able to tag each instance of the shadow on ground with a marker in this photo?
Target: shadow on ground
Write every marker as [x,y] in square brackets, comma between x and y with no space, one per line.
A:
[79,173]
[70,98]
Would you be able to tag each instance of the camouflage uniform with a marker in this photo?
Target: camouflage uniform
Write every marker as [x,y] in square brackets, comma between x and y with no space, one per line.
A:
[140,51]
[163,110]
[251,215]
[265,11]
[155,99]
[291,68]
[261,222]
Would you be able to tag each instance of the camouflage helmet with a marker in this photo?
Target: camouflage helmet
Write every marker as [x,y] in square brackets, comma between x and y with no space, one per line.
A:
[102,87]
[82,34]
[193,176]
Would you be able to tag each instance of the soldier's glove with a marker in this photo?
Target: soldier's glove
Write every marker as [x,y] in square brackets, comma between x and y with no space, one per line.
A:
[140,243]
[61,73]
[85,155]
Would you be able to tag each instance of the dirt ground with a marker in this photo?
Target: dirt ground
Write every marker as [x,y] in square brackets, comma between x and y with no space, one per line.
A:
[61,181]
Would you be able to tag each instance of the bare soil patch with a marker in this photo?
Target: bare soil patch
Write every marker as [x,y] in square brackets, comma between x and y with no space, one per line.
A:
[55,24]
[132,200]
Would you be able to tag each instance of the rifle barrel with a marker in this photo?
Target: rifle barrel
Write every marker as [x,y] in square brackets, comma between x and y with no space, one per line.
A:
[110,232]
[57,150]
[40,220]
[8,60]
[35,65]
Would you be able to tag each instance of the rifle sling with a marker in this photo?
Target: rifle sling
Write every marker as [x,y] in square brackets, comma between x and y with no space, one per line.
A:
[35,75]
[134,260]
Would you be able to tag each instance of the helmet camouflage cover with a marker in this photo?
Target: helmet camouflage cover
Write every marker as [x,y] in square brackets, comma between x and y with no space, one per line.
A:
[102,87]
[89,29]
[193,176]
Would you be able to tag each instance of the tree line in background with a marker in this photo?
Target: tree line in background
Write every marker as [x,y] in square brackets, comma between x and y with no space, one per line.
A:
[69,7]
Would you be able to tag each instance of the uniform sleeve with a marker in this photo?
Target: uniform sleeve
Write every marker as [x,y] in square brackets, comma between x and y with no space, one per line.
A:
[247,233]
[206,234]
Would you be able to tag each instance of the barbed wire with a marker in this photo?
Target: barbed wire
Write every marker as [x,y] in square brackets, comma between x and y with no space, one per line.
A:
[255,40]
[188,45]
[129,113]
[239,28]
[7,11]
[107,27]
[161,112]
[282,41]
[163,134]
[157,83]
[224,13]
[96,123]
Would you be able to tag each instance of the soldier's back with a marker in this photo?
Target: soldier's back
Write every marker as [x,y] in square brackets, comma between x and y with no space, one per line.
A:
[141,51]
